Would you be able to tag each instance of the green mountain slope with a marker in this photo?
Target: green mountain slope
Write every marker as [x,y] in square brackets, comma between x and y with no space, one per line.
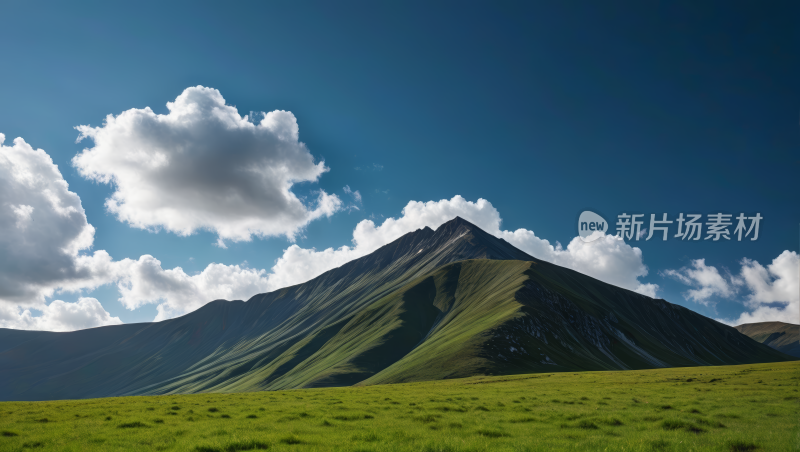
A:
[450,303]
[215,347]
[518,317]
[784,337]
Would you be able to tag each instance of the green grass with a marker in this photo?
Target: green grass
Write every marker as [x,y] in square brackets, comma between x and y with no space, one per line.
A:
[728,408]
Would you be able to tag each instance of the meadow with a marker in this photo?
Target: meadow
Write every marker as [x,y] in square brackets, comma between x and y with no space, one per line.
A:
[724,408]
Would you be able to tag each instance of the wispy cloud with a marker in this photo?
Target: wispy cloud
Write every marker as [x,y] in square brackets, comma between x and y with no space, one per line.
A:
[356,199]
[373,167]
[706,282]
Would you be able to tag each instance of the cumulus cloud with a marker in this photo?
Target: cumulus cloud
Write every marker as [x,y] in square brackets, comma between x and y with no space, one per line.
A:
[144,281]
[58,316]
[608,259]
[48,238]
[786,313]
[203,166]
[44,228]
[772,292]
[44,246]
[777,282]
[706,282]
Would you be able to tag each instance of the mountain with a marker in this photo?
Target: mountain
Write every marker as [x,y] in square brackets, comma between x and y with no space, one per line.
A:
[432,304]
[784,337]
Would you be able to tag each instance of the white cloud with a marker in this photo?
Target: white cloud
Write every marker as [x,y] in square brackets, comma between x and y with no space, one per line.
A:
[44,228]
[648,289]
[788,313]
[203,166]
[773,292]
[778,282]
[607,259]
[144,281]
[45,232]
[706,280]
[355,194]
[23,214]
[58,316]
[47,236]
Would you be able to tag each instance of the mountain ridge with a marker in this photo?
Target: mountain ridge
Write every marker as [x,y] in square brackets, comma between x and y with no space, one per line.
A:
[784,337]
[453,293]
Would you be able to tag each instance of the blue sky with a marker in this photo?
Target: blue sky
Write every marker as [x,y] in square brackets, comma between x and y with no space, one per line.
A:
[545,109]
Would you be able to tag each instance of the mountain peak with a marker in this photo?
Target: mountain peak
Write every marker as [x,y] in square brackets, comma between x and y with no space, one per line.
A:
[425,249]
[458,221]
[458,239]
[456,225]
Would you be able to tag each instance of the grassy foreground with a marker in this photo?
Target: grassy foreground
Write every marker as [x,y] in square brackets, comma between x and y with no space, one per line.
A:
[726,408]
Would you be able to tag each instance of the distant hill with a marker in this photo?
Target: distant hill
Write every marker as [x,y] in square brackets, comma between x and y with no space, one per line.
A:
[784,337]
[437,304]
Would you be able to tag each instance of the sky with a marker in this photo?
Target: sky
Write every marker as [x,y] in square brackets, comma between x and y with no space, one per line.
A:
[136,185]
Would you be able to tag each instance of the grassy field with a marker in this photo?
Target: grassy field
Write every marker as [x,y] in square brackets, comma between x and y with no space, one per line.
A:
[726,408]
